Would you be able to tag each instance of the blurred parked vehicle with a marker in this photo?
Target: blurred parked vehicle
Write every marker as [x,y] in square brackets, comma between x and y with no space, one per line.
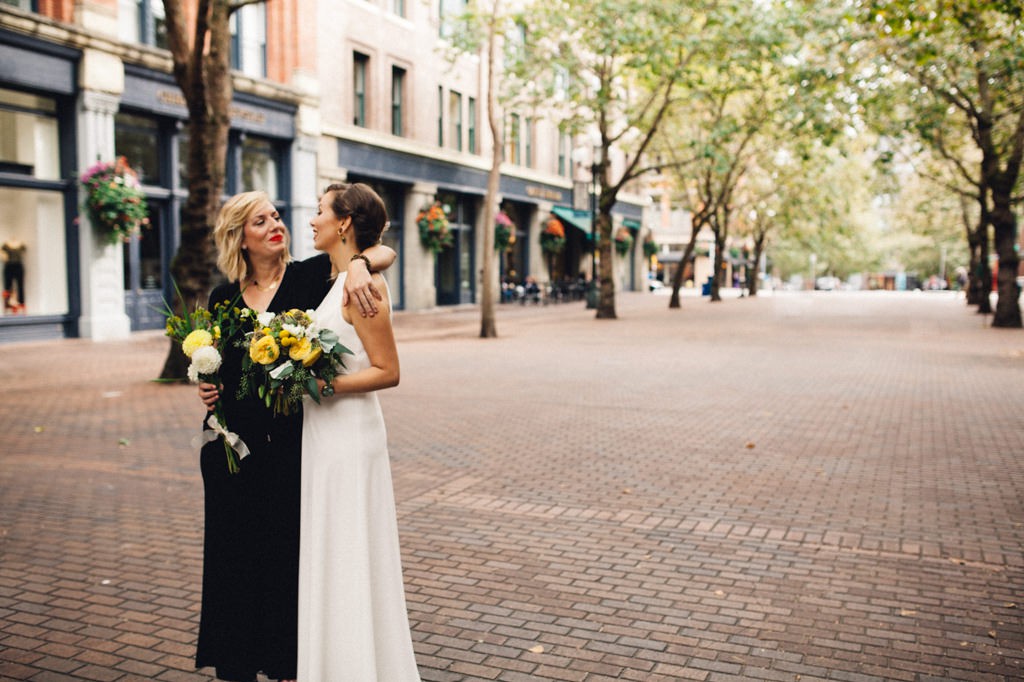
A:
[827,283]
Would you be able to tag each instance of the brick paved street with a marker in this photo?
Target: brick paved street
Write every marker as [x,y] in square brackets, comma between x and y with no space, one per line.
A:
[806,486]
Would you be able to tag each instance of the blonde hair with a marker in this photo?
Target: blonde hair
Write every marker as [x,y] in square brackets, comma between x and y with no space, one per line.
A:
[229,232]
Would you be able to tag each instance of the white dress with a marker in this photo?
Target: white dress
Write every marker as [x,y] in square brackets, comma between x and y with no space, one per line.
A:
[353,625]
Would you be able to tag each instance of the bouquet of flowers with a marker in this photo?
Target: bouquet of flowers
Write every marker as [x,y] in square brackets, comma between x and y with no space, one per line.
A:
[114,200]
[288,352]
[435,233]
[200,334]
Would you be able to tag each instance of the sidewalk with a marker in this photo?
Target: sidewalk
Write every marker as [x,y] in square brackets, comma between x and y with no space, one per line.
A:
[802,486]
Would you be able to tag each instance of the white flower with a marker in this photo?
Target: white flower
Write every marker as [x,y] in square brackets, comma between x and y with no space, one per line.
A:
[206,360]
[296,330]
[313,330]
[265,318]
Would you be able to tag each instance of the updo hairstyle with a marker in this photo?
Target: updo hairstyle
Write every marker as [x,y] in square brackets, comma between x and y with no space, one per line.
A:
[359,202]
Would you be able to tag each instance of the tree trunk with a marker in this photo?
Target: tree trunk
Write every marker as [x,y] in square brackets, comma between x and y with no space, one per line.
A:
[716,275]
[605,271]
[488,326]
[981,278]
[677,276]
[1004,224]
[752,272]
[205,82]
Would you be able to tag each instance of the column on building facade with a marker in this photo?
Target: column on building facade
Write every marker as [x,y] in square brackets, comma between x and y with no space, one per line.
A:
[305,193]
[420,262]
[539,259]
[640,260]
[103,313]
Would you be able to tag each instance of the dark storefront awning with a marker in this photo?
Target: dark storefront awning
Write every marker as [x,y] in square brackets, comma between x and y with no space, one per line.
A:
[574,217]
[633,225]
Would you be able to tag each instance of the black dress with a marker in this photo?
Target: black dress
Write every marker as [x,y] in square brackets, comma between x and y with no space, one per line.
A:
[249,618]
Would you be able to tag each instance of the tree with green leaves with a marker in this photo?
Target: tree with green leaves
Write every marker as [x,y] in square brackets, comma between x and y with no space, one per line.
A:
[610,69]
[964,62]
[201,50]
[749,95]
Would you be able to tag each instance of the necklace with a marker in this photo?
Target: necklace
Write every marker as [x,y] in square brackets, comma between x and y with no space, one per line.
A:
[270,287]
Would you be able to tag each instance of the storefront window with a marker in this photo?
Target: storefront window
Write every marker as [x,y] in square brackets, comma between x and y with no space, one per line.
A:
[137,138]
[28,135]
[32,252]
[455,271]
[183,160]
[32,238]
[144,256]
[259,167]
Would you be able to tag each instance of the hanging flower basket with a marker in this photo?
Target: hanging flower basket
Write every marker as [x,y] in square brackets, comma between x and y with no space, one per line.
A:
[650,248]
[435,232]
[504,231]
[623,241]
[114,200]
[552,239]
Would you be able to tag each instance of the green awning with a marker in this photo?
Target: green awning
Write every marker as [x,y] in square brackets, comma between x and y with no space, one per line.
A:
[633,225]
[571,216]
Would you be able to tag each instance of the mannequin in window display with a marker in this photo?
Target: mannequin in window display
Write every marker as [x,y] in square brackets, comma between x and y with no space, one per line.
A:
[12,253]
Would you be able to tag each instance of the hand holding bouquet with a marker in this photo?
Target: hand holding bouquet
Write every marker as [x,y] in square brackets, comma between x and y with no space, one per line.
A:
[200,333]
[288,352]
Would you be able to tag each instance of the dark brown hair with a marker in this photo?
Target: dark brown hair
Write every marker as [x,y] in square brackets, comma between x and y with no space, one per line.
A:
[359,202]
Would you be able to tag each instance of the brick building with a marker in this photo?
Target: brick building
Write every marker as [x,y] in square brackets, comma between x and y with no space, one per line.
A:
[356,90]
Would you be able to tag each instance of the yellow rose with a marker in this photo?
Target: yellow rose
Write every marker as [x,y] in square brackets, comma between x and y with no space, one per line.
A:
[196,339]
[264,351]
[312,357]
[300,348]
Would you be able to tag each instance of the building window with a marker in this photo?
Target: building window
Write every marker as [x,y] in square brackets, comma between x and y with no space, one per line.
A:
[249,40]
[32,236]
[512,140]
[528,142]
[142,21]
[397,90]
[449,11]
[455,116]
[471,116]
[440,116]
[259,171]
[137,138]
[563,153]
[360,63]
[23,5]
[398,7]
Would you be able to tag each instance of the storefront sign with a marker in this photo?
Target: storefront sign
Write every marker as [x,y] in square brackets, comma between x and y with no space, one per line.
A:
[543,193]
[237,113]
[158,94]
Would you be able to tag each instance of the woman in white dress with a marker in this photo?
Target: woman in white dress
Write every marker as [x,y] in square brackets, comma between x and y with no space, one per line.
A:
[353,625]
